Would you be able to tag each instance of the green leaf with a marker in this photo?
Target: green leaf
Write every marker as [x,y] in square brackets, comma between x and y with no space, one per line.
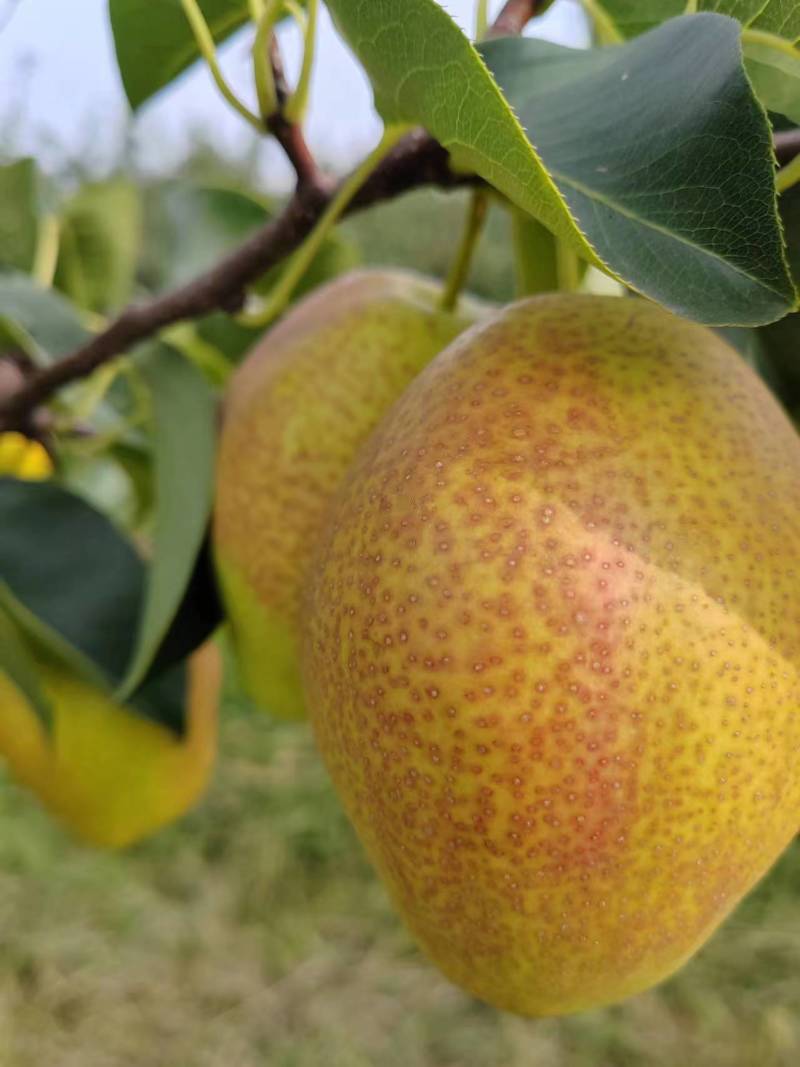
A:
[775,76]
[424,70]
[154,42]
[184,409]
[71,569]
[18,663]
[37,320]
[18,214]
[74,584]
[191,225]
[781,17]
[632,17]
[101,233]
[664,157]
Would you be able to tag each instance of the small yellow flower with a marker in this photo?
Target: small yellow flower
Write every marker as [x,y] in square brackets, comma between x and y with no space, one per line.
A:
[23,458]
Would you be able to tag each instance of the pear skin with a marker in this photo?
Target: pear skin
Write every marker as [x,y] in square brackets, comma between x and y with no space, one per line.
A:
[296,411]
[108,774]
[553,645]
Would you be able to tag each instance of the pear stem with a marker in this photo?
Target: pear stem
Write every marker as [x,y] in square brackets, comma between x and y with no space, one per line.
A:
[567,267]
[208,50]
[481,19]
[48,241]
[459,270]
[304,256]
[266,91]
[297,103]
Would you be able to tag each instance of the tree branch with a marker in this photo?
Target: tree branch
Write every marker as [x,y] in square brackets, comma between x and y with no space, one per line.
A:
[288,134]
[514,17]
[787,145]
[417,160]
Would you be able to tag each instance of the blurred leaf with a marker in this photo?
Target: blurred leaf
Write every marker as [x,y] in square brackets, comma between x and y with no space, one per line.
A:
[17,662]
[101,233]
[781,17]
[215,366]
[19,223]
[775,76]
[424,70]
[75,585]
[154,42]
[37,320]
[184,410]
[199,614]
[70,568]
[102,481]
[632,17]
[191,226]
[694,223]
[138,465]
[227,335]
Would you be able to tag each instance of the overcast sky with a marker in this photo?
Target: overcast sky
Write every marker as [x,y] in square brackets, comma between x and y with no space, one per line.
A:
[61,100]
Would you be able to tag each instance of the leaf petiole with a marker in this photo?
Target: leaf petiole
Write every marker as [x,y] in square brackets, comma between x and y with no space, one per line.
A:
[205,43]
[296,105]
[459,270]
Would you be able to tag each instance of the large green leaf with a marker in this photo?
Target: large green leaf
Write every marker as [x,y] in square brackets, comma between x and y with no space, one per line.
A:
[101,233]
[184,415]
[424,70]
[18,214]
[37,320]
[71,569]
[73,584]
[154,42]
[664,157]
[631,17]
[781,17]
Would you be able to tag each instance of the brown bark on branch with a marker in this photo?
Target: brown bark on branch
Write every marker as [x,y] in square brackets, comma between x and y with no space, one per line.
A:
[417,160]
[514,17]
[787,145]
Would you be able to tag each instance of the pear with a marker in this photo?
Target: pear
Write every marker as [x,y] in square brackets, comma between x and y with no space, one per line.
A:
[108,774]
[553,645]
[296,410]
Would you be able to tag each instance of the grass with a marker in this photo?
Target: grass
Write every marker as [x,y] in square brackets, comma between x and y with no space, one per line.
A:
[253,933]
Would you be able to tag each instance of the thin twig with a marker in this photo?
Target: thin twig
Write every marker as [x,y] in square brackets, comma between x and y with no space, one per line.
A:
[787,145]
[417,160]
[288,134]
[514,17]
